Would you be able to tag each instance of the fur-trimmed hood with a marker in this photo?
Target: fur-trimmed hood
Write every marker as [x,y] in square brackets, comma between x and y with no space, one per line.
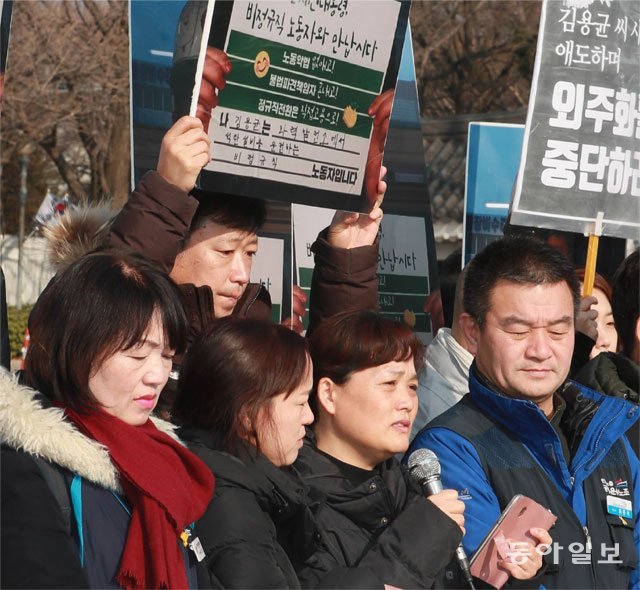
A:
[76,233]
[27,425]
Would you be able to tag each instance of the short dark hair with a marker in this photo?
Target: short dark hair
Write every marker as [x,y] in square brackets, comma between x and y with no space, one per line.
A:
[625,300]
[519,259]
[233,370]
[356,340]
[233,211]
[100,304]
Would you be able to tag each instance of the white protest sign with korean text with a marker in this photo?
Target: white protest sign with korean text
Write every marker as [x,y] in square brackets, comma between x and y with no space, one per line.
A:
[304,74]
[403,273]
[581,156]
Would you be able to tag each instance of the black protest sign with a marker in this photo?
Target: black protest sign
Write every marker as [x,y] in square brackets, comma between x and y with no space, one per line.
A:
[581,157]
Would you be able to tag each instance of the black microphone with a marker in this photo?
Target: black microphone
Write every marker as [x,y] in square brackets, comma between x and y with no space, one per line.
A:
[424,469]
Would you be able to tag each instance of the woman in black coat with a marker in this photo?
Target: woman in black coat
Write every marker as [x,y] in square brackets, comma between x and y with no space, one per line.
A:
[365,380]
[243,407]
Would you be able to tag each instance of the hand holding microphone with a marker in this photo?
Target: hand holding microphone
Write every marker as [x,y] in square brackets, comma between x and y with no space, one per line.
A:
[424,468]
[447,501]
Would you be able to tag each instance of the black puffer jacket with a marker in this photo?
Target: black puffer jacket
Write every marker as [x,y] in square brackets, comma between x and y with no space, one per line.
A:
[616,375]
[383,523]
[612,374]
[260,526]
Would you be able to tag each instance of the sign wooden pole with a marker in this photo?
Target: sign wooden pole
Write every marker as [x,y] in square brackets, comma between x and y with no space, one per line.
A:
[590,267]
[592,257]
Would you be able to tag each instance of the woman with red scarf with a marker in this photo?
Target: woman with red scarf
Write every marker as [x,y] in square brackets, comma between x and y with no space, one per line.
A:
[95,492]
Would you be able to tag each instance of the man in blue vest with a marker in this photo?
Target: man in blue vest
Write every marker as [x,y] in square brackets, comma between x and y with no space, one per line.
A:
[524,429]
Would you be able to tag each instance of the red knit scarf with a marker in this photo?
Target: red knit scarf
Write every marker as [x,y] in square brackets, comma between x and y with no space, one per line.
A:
[168,488]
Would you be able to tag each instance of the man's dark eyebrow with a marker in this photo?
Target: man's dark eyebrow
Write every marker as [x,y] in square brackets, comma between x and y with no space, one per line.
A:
[233,240]
[236,239]
[514,319]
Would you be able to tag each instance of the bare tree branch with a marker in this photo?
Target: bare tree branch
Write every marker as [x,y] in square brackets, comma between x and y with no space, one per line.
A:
[67,89]
[474,56]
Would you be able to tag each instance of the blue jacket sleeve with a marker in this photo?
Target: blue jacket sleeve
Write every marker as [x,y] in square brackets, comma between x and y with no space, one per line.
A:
[462,471]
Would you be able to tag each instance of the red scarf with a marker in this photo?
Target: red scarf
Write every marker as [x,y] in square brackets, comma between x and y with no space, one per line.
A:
[168,488]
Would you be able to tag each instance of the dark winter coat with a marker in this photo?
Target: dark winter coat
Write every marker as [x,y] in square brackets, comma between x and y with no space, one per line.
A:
[383,523]
[261,525]
[617,375]
[42,454]
[612,373]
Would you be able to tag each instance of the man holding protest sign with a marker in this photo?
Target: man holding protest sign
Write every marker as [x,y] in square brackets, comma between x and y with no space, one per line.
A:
[209,255]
